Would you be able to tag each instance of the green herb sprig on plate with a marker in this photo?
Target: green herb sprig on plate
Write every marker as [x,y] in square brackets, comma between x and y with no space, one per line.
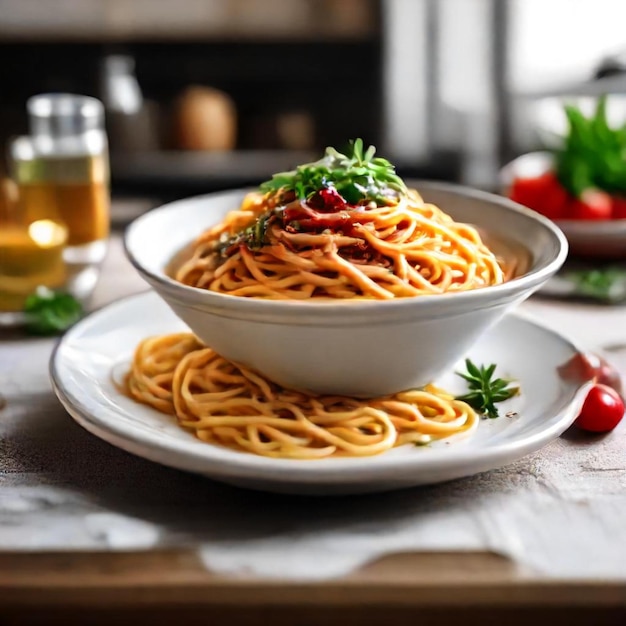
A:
[485,390]
[358,177]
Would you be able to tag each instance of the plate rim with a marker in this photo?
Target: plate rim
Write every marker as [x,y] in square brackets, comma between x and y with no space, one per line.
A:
[224,463]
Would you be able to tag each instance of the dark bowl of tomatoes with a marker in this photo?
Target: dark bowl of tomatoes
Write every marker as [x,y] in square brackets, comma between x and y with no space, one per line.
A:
[594,221]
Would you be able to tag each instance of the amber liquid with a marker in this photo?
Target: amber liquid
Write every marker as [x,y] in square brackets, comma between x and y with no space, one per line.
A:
[25,265]
[71,189]
[82,206]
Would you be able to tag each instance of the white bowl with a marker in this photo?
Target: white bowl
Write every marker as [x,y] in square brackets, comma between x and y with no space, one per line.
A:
[589,238]
[358,348]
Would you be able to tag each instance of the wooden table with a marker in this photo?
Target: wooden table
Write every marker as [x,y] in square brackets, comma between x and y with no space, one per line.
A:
[64,494]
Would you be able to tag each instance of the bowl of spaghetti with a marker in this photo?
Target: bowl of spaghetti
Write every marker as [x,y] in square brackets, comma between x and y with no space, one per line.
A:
[341,278]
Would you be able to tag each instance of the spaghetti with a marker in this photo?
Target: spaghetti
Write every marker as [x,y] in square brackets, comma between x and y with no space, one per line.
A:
[277,246]
[227,404]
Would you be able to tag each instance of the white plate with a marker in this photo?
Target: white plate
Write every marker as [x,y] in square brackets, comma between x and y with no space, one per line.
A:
[83,362]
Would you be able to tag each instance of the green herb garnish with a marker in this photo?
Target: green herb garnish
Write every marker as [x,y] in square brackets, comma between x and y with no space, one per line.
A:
[358,177]
[593,155]
[606,284]
[485,390]
[254,237]
[50,312]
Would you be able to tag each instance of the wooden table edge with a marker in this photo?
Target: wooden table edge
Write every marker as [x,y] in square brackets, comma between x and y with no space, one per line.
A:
[171,577]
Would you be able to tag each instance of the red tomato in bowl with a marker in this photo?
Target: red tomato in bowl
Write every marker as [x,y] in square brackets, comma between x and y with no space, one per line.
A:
[619,208]
[602,411]
[593,204]
[543,194]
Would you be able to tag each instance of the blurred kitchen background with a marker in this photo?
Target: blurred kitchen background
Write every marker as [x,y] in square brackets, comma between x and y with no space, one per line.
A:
[202,95]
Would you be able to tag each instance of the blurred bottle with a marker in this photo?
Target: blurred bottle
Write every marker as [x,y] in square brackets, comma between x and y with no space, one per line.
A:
[131,121]
[62,174]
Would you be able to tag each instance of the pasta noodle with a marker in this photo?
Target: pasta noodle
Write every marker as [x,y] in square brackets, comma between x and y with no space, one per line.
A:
[276,246]
[228,404]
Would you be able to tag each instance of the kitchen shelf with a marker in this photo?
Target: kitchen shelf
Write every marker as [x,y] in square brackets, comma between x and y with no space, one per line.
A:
[163,20]
[161,172]
[171,174]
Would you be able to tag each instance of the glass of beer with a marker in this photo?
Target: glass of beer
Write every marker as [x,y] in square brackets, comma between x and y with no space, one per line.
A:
[61,170]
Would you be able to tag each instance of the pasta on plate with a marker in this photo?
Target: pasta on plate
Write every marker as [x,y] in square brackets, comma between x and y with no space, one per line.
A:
[228,404]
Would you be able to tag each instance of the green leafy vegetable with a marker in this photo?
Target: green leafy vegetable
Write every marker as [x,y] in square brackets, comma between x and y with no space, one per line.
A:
[253,236]
[593,154]
[607,284]
[50,312]
[485,391]
[358,177]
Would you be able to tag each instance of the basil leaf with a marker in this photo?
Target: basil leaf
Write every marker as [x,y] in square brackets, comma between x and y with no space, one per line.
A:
[51,312]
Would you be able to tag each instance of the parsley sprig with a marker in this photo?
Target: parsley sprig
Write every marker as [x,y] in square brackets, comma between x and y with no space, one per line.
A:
[358,177]
[485,391]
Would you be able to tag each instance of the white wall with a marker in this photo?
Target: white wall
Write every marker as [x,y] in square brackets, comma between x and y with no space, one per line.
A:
[555,41]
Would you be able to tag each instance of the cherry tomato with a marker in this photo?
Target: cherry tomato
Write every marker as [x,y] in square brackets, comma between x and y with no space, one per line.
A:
[602,411]
[543,194]
[331,199]
[606,374]
[592,205]
[619,208]
[582,367]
